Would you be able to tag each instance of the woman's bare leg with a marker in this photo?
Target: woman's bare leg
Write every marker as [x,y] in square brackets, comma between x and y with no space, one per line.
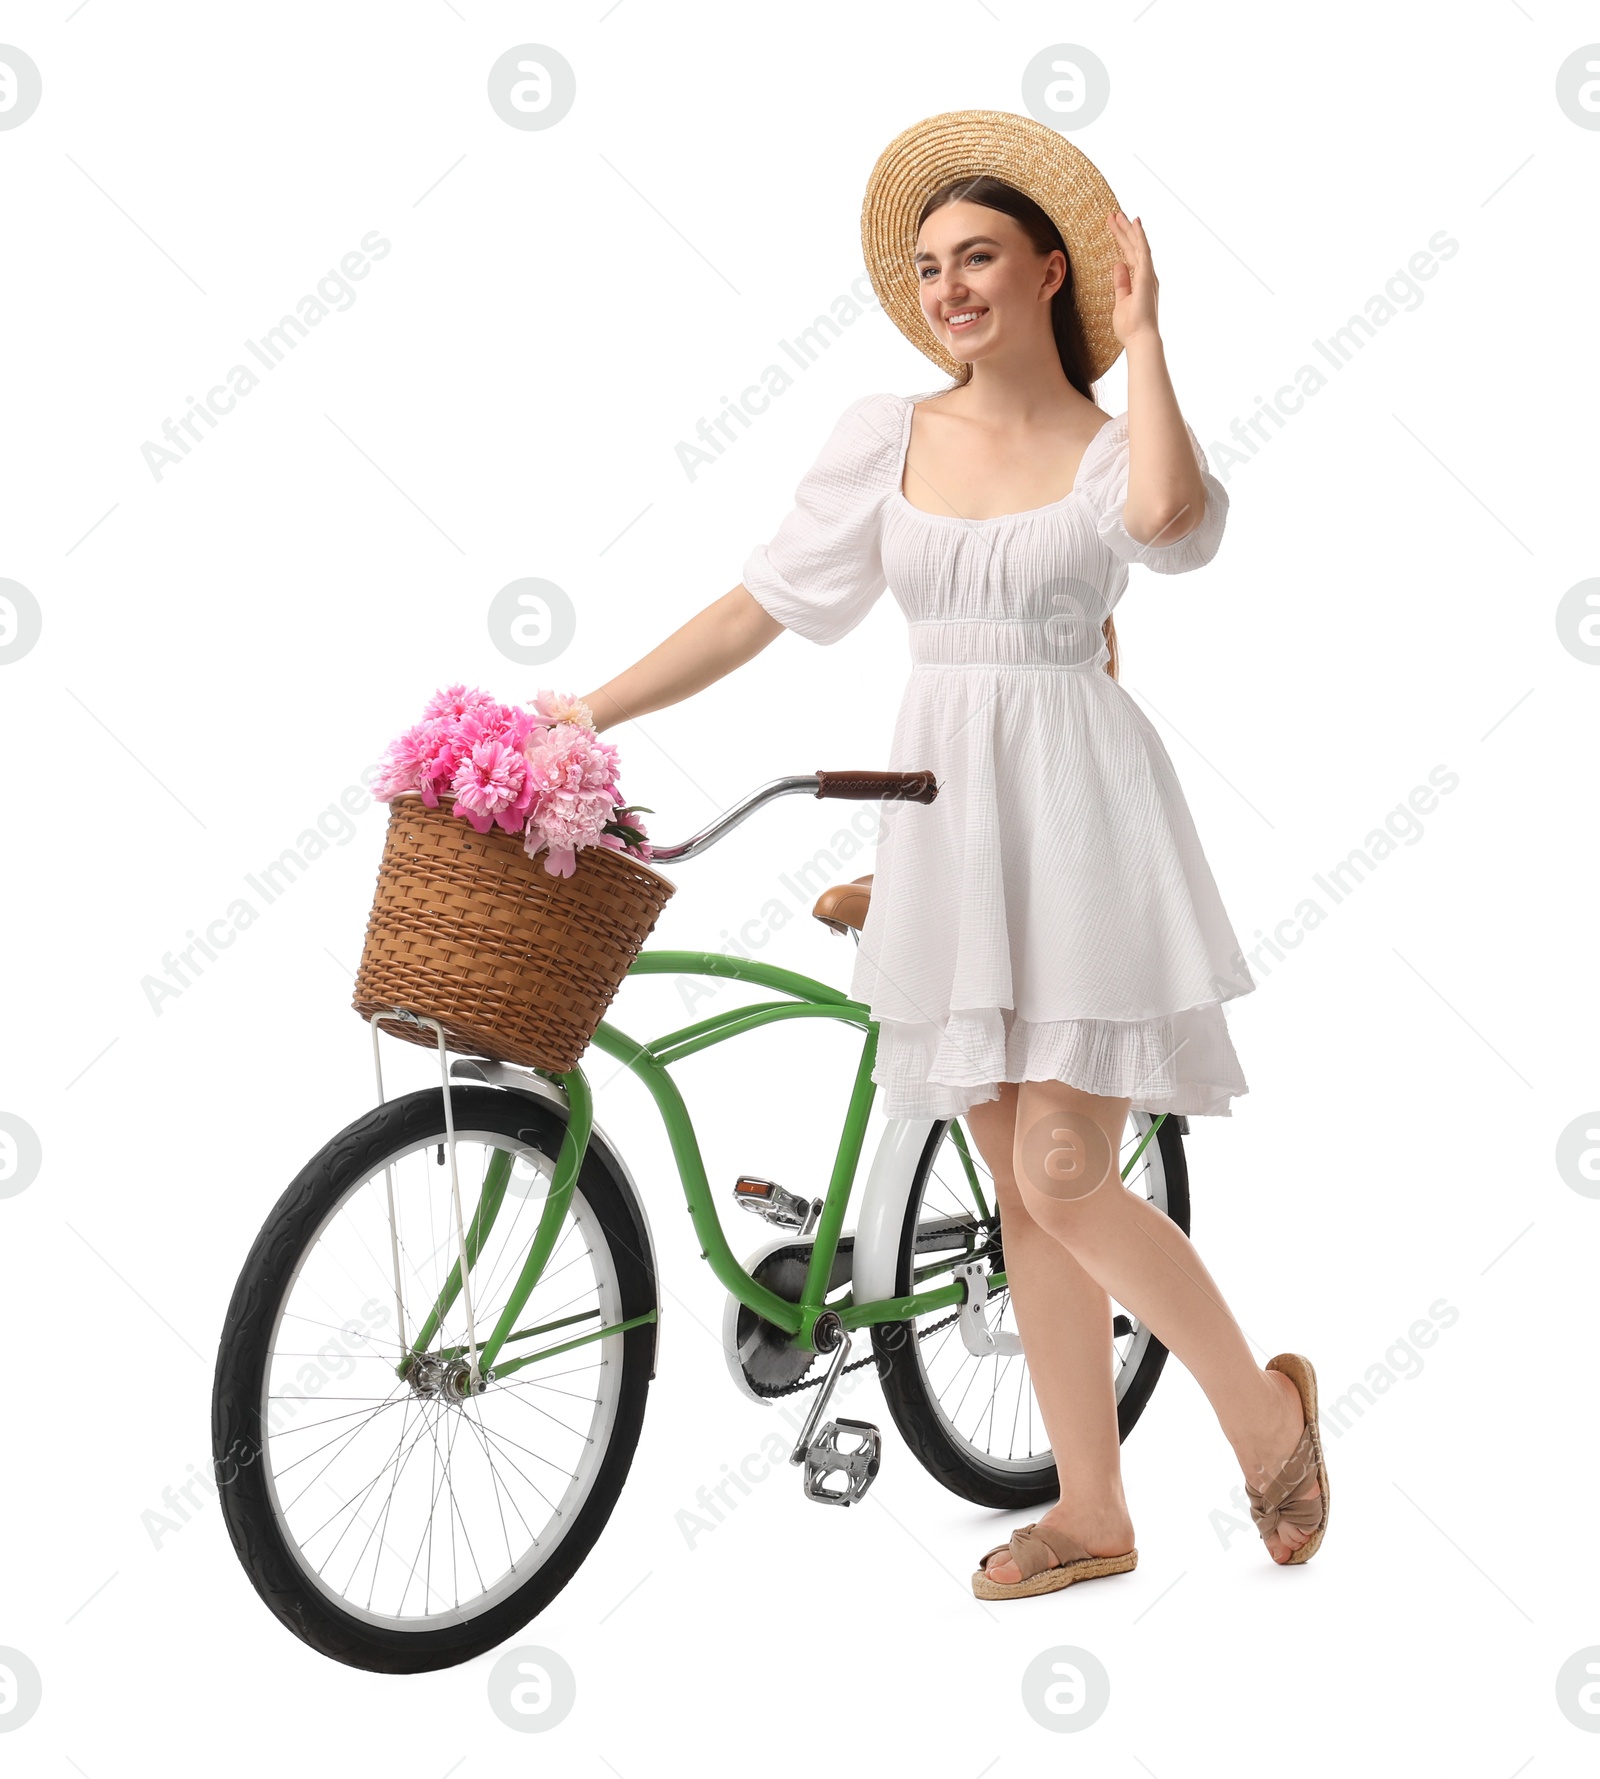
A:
[1064,1318]
[1066,1168]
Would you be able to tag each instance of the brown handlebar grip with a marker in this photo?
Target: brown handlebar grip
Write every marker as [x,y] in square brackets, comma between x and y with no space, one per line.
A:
[896,787]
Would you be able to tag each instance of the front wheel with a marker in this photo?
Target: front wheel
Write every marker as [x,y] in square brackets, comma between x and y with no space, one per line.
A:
[392,1521]
[973,1422]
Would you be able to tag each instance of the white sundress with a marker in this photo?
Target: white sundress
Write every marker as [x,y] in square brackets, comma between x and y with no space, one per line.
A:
[1051,915]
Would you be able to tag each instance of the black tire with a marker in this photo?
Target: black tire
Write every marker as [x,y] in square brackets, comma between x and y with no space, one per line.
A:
[243,1358]
[906,1388]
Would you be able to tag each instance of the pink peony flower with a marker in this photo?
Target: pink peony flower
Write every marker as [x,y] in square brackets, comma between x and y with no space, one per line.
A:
[565,821]
[569,757]
[562,707]
[497,722]
[453,702]
[439,772]
[494,785]
[410,759]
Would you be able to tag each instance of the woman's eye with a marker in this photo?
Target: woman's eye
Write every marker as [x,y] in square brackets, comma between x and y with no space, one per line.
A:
[978,255]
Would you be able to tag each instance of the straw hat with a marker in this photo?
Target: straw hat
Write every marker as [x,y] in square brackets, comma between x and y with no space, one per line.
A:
[1054,172]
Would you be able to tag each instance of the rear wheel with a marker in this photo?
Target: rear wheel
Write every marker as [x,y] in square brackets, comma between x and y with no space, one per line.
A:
[973,1421]
[404,1523]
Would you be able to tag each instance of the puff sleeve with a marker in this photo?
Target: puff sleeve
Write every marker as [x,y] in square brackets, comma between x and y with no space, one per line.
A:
[822,571]
[1105,481]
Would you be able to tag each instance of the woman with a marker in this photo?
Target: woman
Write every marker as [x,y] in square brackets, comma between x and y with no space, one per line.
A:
[1045,946]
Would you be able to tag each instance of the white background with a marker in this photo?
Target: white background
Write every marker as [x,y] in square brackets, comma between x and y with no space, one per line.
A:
[225,649]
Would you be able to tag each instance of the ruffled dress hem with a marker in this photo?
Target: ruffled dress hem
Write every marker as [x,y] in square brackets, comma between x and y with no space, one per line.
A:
[1180,1062]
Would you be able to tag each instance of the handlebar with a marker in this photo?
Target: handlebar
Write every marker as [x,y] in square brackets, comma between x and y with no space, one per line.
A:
[893,787]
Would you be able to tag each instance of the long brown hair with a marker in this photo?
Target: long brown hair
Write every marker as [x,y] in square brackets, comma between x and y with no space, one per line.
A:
[1065,323]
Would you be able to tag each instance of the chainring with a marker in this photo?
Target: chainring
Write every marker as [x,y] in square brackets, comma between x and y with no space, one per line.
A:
[767,1356]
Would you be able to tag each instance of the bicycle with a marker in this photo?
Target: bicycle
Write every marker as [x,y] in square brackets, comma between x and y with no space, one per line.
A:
[411,1489]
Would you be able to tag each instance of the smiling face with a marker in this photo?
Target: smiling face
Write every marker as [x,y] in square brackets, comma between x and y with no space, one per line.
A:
[984,286]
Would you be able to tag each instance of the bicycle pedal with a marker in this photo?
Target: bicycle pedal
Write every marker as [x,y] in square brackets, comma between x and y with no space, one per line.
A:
[776,1203]
[858,1465]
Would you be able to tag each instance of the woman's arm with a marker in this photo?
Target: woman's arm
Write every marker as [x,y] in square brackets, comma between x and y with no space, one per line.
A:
[729,632]
[1166,497]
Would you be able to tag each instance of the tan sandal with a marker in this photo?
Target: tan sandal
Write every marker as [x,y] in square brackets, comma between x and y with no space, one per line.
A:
[1048,1560]
[1274,1506]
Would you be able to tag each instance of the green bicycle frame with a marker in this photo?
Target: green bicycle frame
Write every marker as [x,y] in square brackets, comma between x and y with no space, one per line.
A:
[809,999]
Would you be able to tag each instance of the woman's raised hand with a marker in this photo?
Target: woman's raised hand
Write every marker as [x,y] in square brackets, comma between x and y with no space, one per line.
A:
[1134,278]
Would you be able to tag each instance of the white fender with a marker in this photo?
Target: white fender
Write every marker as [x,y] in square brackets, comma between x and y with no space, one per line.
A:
[883,1207]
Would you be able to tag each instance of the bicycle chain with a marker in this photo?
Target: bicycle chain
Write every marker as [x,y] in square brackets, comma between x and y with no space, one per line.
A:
[810,1383]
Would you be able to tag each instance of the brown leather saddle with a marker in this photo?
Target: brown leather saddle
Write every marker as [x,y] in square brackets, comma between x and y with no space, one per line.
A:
[844,905]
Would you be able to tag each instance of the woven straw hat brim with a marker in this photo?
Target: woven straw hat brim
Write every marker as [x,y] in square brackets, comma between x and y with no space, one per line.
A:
[1053,171]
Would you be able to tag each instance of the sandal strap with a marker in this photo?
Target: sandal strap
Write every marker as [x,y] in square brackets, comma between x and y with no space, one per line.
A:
[1034,1547]
[1273,1505]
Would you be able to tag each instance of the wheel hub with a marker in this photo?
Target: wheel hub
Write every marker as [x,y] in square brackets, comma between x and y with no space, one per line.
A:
[445,1380]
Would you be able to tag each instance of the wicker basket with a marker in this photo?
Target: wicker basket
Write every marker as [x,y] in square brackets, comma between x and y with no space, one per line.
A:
[515,964]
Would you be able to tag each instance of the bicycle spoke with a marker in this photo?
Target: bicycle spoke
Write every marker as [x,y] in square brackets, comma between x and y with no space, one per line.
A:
[353,1506]
[387,1507]
[500,1439]
[319,1426]
[343,1441]
[476,1424]
[307,1537]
